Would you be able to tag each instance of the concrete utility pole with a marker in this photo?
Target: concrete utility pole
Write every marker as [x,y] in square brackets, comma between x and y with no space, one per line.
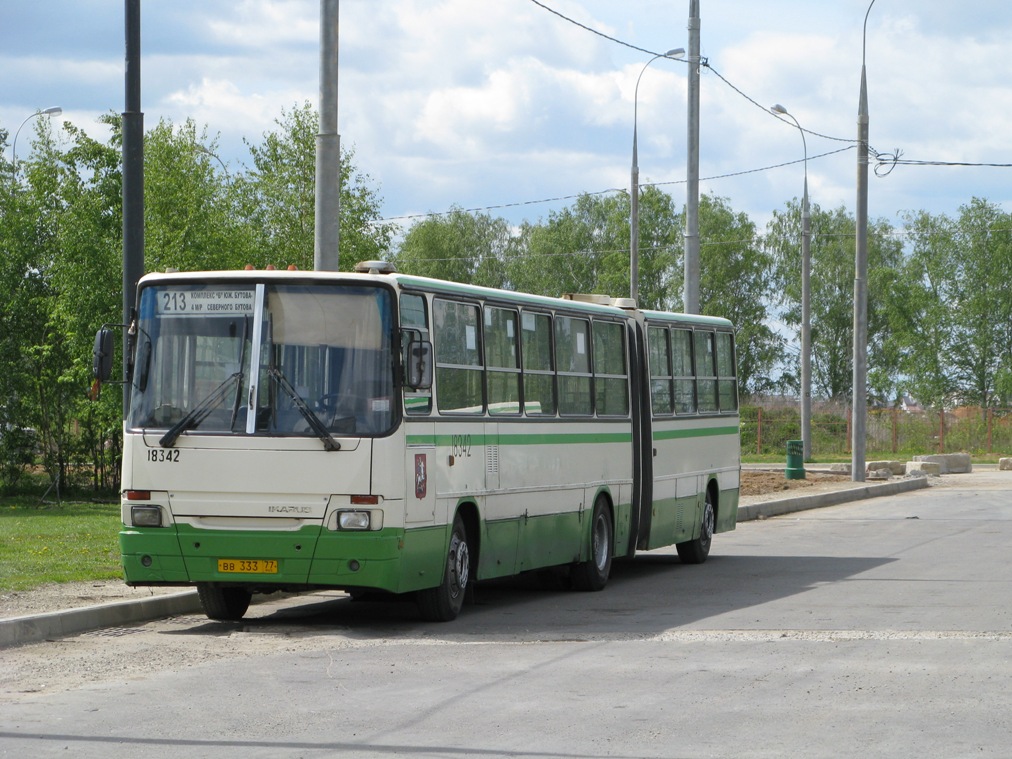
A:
[691,294]
[133,175]
[860,396]
[328,148]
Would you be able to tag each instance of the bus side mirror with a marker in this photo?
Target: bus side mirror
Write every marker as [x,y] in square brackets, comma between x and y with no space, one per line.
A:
[418,363]
[102,355]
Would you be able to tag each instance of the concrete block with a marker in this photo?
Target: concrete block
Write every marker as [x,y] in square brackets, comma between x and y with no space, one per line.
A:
[1005,464]
[897,468]
[949,463]
[923,468]
[841,468]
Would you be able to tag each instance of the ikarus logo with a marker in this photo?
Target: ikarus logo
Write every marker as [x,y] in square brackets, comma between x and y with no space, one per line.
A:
[289,509]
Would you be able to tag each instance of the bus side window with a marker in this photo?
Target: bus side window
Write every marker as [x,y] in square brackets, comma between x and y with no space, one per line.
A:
[539,375]
[727,385]
[502,361]
[572,360]
[706,372]
[413,316]
[682,372]
[610,382]
[660,371]
[459,370]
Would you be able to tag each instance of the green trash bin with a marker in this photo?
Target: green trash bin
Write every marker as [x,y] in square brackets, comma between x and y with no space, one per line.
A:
[795,460]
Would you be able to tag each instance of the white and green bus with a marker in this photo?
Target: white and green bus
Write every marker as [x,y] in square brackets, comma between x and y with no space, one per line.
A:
[374,431]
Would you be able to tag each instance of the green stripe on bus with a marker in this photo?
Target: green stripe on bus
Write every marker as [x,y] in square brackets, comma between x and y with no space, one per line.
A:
[560,438]
[697,432]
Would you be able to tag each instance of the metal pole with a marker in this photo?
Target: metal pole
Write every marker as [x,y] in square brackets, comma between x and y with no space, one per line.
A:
[634,191]
[806,320]
[133,176]
[634,212]
[691,294]
[860,391]
[326,244]
[806,300]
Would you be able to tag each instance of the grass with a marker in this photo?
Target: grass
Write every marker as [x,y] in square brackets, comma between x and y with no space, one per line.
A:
[71,542]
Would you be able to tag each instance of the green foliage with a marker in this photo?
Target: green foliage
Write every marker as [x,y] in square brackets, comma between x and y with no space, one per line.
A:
[832,288]
[61,261]
[459,247]
[736,279]
[276,200]
[951,312]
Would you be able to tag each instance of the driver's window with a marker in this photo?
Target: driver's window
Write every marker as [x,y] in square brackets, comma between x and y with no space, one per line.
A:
[414,316]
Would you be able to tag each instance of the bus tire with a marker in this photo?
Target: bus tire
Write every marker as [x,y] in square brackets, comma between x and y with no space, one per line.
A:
[223,604]
[444,602]
[592,574]
[695,551]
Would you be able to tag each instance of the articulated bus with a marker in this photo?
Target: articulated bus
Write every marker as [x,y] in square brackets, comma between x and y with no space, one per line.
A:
[373,431]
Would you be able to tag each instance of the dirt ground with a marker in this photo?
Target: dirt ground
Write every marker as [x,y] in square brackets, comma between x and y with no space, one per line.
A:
[755,482]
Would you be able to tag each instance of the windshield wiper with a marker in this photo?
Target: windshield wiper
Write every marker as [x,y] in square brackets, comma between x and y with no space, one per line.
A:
[314,421]
[199,412]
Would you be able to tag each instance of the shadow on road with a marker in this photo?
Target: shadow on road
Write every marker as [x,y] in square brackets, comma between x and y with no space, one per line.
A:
[647,595]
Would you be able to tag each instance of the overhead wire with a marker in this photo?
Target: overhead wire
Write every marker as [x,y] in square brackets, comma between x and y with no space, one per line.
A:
[703,62]
[885,162]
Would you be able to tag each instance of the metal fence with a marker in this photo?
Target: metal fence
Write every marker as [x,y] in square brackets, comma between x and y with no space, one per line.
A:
[767,426]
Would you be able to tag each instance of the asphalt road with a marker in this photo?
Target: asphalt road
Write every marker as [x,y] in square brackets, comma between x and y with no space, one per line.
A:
[879,628]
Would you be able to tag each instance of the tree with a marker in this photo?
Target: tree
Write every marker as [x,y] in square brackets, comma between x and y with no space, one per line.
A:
[458,246]
[276,198]
[736,279]
[919,314]
[190,221]
[585,249]
[832,287]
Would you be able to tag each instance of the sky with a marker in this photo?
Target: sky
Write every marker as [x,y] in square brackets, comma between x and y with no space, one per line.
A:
[508,107]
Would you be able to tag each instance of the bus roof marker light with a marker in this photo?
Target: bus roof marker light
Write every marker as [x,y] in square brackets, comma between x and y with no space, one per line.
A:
[375,267]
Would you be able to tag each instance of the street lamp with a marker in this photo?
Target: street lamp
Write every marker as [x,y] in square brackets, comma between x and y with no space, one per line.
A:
[860,392]
[54,111]
[806,300]
[634,209]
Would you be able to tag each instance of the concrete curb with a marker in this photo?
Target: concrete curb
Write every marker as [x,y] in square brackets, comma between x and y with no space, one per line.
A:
[832,498]
[20,630]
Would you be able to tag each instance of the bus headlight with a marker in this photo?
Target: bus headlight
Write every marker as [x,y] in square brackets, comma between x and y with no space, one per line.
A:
[146,516]
[353,520]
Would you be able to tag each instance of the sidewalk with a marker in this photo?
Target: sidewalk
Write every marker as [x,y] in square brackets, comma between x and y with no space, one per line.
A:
[16,631]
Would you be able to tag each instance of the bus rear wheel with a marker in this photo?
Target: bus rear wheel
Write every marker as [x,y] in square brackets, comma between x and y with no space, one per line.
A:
[223,604]
[444,602]
[696,551]
[592,574]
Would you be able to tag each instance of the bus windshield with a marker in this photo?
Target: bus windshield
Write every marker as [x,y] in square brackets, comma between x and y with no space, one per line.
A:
[257,359]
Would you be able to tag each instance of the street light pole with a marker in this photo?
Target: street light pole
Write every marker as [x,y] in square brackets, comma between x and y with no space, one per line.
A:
[690,296]
[860,392]
[806,300]
[133,175]
[54,111]
[634,192]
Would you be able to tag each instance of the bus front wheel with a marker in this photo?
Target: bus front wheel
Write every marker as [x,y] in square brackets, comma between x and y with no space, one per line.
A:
[593,573]
[696,551]
[444,602]
[223,604]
